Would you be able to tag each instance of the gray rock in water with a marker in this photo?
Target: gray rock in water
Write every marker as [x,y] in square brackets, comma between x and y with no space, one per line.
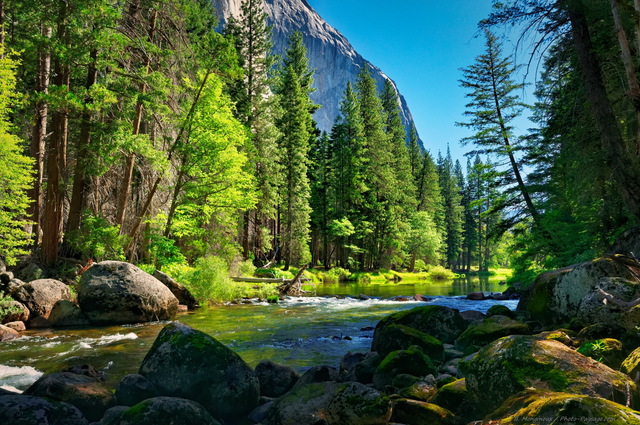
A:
[166,410]
[28,410]
[275,379]
[86,393]
[66,313]
[135,388]
[112,292]
[187,363]
[40,295]
[333,58]
[179,291]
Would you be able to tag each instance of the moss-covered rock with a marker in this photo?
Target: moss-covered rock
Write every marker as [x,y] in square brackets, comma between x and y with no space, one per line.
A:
[418,412]
[560,295]
[455,397]
[631,365]
[605,350]
[187,363]
[421,391]
[166,410]
[400,337]
[501,310]
[88,394]
[30,410]
[561,335]
[366,367]
[540,406]
[275,379]
[412,361]
[133,389]
[600,330]
[443,323]
[511,364]
[336,404]
[491,328]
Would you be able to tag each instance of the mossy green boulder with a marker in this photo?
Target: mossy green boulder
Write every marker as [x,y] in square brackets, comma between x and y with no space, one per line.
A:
[605,350]
[501,310]
[543,406]
[441,322]
[631,365]
[511,364]
[490,329]
[29,410]
[412,361]
[166,410]
[187,363]
[560,295]
[330,403]
[455,397]
[400,337]
[418,412]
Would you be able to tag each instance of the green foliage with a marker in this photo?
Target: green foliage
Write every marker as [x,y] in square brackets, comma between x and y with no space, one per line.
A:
[440,273]
[5,309]
[16,175]
[594,349]
[98,240]
[164,251]
[209,281]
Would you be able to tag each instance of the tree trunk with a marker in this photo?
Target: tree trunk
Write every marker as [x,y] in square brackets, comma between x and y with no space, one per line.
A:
[623,164]
[2,37]
[56,157]
[80,173]
[125,187]
[39,135]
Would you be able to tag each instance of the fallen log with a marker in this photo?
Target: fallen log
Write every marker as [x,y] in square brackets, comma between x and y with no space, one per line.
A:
[293,287]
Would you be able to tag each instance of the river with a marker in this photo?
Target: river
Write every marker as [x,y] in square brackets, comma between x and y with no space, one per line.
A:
[298,331]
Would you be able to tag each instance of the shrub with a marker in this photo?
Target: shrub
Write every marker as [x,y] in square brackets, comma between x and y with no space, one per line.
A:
[209,281]
[98,240]
[5,309]
[440,273]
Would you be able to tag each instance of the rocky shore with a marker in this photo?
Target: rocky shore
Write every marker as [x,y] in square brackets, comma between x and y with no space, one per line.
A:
[565,355]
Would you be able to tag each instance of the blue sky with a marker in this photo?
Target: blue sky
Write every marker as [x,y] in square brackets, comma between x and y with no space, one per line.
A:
[421,45]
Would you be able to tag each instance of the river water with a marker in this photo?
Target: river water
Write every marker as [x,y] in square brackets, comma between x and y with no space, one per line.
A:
[299,331]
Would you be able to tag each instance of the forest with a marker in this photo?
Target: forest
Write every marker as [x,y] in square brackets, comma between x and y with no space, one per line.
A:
[137,131]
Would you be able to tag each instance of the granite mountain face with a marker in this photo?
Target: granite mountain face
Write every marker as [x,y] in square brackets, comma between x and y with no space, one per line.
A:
[331,55]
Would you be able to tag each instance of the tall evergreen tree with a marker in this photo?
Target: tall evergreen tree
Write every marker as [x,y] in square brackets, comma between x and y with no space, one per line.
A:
[254,107]
[296,127]
[451,199]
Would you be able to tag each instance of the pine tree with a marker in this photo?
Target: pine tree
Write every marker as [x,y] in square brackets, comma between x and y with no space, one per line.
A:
[256,110]
[296,127]
[415,153]
[453,219]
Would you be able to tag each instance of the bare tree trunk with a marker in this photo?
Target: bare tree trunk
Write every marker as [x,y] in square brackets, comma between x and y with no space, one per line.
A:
[39,135]
[624,166]
[125,187]
[57,158]
[630,68]
[80,173]
[2,36]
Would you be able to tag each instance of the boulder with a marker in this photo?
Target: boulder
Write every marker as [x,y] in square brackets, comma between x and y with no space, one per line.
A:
[275,379]
[513,363]
[29,272]
[318,374]
[572,409]
[88,394]
[39,296]
[412,361]
[330,403]
[366,367]
[476,296]
[501,310]
[5,277]
[11,287]
[605,350]
[473,316]
[66,313]
[187,363]
[399,337]
[133,389]
[39,322]
[7,333]
[28,410]
[421,391]
[114,292]
[491,328]
[455,397]
[13,311]
[112,415]
[16,326]
[166,410]
[179,291]
[600,330]
[443,323]
[417,412]
[561,335]
[628,243]
[560,295]
[631,365]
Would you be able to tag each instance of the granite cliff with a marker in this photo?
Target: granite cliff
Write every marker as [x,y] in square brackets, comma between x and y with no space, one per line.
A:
[331,55]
